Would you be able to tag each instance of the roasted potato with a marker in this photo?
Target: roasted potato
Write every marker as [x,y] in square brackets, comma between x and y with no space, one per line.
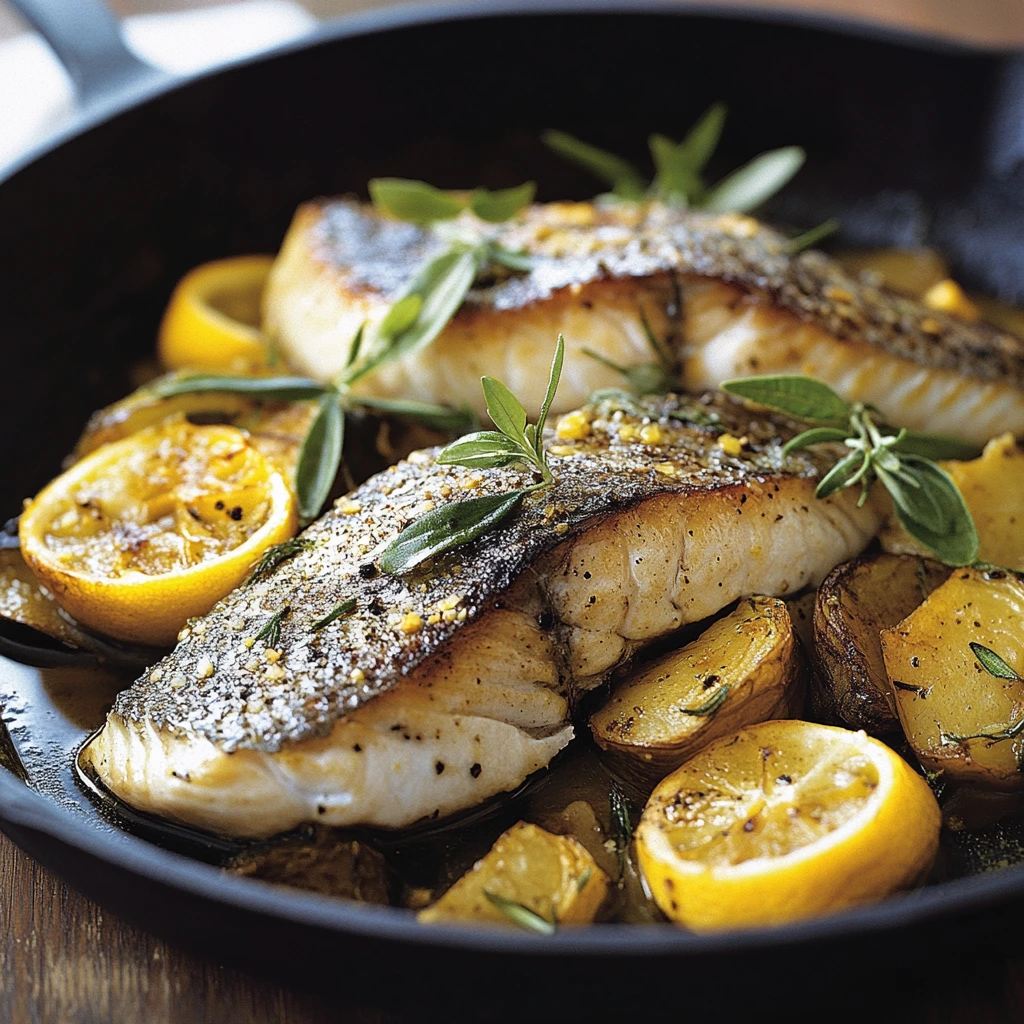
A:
[856,601]
[745,668]
[528,874]
[911,271]
[993,487]
[958,715]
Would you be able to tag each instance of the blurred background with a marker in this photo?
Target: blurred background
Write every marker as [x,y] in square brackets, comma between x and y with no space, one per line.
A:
[182,36]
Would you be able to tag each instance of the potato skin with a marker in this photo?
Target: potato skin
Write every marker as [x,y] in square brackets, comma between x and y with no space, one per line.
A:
[945,698]
[855,602]
[747,667]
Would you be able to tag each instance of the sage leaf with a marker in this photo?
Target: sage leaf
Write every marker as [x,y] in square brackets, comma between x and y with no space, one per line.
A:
[436,417]
[520,915]
[554,376]
[401,316]
[936,446]
[812,236]
[992,663]
[486,449]
[447,527]
[320,457]
[936,500]
[268,389]
[801,397]
[502,205]
[510,258]
[414,201]
[625,181]
[816,435]
[752,184]
[505,410]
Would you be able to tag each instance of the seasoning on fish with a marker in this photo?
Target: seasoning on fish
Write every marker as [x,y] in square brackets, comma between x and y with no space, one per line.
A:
[722,292]
[448,685]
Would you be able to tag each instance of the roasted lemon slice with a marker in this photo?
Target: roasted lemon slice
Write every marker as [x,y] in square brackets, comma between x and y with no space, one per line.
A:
[144,533]
[212,321]
[784,821]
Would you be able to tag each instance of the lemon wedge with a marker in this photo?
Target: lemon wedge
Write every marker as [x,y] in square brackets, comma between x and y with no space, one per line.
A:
[212,321]
[785,821]
[147,532]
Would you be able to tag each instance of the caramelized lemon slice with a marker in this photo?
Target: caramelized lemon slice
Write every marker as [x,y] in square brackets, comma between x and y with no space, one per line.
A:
[212,321]
[147,532]
[784,821]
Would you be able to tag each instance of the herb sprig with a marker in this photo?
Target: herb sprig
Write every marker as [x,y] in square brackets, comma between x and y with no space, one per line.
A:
[928,503]
[679,168]
[515,441]
[997,667]
[521,915]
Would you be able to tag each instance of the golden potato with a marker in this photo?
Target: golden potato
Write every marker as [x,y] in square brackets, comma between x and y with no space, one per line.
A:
[855,602]
[552,878]
[957,715]
[993,487]
[744,668]
[911,271]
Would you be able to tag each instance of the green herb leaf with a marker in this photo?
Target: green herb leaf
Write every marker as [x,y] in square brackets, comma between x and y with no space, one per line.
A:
[711,705]
[812,236]
[936,502]
[437,417]
[356,345]
[802,397]
[675,181]
[816,435]
[520,915]
[841,475]
[752,184]
[509,258]
[936,446]
[320,457]
[503,205]
[702,139]
[622,824]
[274,556]
[339,611]
[505,410]
[581,882]
[414,201]
[401,316]
[446,528]
[268,389]
[554,376]
[271,632]
[643,379]
[486,449]
[625,181]
[992,663]
[996,733]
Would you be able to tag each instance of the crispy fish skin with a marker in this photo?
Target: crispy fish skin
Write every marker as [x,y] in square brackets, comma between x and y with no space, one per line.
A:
[450,684]
[720,291]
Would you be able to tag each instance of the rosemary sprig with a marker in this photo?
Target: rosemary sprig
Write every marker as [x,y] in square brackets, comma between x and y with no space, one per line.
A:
[271,631]
[515,440]
[711,705]
[928,503]
[992,663]
[679,167]
[622,824]
[275,555]
[997,667]
[339,611]
[520,915]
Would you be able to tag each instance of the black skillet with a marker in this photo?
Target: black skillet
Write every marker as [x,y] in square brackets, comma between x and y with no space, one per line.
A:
[910,139]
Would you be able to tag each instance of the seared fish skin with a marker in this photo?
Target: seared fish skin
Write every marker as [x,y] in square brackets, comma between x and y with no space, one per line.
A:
[721,292]
[451,684]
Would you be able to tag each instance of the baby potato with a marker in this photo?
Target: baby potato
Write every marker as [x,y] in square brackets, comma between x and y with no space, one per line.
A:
[744,668]
[550,877]
[959,716]
[993,488]
[856,601]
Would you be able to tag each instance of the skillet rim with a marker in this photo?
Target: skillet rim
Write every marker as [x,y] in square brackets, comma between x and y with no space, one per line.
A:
[23,808]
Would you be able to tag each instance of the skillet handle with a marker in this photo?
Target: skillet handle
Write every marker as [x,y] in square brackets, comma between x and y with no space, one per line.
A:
[85,36]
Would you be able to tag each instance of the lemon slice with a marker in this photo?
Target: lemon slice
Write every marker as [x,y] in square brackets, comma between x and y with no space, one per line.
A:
[785,821]
[147,532]
[213,319]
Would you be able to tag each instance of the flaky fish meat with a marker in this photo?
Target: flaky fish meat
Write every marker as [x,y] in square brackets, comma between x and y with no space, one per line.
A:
[430,692]
[721,294]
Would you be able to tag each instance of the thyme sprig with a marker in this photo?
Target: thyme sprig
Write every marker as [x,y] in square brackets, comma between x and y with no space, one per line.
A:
[928,503]
[679,168]
[515,441]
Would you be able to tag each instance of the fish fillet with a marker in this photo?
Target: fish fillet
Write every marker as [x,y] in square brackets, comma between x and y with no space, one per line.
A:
[451,684]
[720,292]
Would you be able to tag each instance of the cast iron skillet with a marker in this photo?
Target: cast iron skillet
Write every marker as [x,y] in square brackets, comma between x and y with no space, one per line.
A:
[909,139]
